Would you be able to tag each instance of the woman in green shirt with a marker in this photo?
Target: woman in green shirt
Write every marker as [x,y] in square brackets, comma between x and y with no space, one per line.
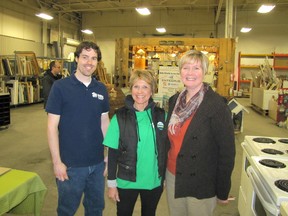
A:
[137,153]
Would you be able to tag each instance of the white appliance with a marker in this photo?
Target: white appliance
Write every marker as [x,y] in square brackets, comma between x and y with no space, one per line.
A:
[269,177]
[284,209]
[256,146]
[271,146]
[246,187]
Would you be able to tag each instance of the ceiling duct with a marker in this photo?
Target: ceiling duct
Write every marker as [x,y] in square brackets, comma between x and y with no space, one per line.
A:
[70,42]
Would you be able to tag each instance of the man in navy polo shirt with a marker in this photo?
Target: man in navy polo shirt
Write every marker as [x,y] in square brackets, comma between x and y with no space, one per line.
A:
[78,118]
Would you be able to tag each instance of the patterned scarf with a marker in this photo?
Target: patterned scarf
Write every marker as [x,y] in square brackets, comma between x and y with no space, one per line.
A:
[183,110]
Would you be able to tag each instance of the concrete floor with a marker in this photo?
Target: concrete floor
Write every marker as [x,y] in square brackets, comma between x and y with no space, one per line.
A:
[24,146]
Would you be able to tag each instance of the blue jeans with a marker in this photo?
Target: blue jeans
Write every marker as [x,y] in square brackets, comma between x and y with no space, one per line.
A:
[82,180]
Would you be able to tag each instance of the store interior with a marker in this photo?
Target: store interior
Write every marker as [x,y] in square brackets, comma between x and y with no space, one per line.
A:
[249,67]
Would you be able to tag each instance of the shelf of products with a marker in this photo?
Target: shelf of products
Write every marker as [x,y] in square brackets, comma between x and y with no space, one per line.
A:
[161,52]
[66,65]
[249,66]
[21,76]
[166,57]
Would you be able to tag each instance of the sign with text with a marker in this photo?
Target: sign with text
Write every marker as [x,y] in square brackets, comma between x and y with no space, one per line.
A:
[169,80]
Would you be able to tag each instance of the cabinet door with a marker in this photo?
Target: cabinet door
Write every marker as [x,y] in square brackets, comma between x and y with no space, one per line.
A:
[4,110]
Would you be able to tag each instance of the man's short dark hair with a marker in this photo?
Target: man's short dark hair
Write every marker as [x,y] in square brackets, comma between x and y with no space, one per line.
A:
[52,64]
[88,45]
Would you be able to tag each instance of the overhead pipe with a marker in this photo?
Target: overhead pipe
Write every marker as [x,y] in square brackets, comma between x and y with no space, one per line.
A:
[218,11]
[228,18]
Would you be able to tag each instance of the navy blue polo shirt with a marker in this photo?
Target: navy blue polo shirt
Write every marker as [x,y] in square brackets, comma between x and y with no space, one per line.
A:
[80,109]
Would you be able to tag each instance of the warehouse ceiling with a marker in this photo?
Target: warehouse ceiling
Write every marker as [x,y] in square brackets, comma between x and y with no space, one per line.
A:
[74,10]
[122,5]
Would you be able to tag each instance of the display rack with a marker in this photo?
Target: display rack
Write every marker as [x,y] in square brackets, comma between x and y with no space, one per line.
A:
[249,64]
[126,49]
[21,76]
[27,64]
[44,62]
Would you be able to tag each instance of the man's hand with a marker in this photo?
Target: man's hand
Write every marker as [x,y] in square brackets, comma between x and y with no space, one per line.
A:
[60,171]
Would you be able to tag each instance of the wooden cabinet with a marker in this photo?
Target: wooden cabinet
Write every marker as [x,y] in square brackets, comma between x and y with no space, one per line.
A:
[4,110]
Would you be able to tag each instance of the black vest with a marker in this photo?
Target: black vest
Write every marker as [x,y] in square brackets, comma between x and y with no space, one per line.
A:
[128,140]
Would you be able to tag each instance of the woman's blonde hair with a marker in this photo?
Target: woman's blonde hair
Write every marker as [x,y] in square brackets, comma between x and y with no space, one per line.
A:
[195,56]
[145,75]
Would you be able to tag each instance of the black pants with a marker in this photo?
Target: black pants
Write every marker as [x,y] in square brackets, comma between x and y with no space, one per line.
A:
[128,198]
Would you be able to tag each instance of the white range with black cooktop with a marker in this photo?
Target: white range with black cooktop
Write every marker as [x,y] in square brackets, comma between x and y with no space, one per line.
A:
[251,201]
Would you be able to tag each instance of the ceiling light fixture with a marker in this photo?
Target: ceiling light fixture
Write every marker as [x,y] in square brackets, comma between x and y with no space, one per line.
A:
[87,31]
[44,16]
[161,29]
[265,8]
[143,11]
[245,29]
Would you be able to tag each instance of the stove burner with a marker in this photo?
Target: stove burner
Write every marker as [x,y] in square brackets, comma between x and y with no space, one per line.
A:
[282,184]
[272,163]
[272,151]
[264,140]
[285,141]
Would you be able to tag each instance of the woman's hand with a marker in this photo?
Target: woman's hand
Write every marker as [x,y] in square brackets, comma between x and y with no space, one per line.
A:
[113,194]
[225,202]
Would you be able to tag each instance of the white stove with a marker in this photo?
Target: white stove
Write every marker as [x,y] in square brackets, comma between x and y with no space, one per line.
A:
[254,176]
[272,172]
[270,146]
[284,209]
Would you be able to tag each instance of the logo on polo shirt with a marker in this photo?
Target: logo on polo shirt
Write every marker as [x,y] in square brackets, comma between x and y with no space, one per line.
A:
[94,94]
[99,96]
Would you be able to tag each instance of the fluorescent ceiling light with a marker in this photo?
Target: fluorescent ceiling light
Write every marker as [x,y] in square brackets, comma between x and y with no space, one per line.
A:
[143,11]
[265,8]
[87,31]
[245,29]
[161,30]
[44,16]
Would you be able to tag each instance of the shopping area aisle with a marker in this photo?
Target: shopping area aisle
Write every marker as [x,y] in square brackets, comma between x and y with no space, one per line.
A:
[24,146]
